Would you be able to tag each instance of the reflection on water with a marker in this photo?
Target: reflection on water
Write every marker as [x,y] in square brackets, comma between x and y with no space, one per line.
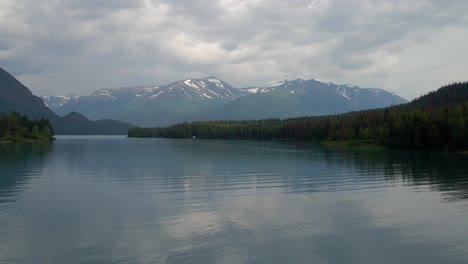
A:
[446,173]
[119,200]
[17,165]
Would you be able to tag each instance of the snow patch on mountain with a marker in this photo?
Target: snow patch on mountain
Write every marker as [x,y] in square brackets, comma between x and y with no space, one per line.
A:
[56,96]
[376,92]
[56,101]
[276,84]
[155,95]
[104,92]
[190,84]
[343,92]
[207,96]
[253,90]
[203,84]
[216,81]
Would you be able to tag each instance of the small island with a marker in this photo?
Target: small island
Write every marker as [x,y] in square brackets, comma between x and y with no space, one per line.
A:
[17,128]
[436,121]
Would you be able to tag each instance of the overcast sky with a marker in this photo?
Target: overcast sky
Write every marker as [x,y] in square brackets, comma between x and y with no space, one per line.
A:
[78,46]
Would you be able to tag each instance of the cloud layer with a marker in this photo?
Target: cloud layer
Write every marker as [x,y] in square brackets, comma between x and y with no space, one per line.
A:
[78,46]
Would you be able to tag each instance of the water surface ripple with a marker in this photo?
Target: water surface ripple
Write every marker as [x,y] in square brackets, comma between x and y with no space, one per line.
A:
[118,200]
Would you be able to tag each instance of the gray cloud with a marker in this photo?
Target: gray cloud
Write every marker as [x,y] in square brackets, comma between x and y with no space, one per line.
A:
[71,46]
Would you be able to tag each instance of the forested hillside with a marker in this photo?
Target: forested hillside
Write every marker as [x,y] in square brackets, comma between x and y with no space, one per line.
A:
[438,120]
[14,127]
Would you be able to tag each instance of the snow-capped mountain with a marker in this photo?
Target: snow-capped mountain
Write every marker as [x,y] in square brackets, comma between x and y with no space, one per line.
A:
[149,105]
[57,101]
[125,95]
[210,88]
[354,94]
[302,98]
[211,98]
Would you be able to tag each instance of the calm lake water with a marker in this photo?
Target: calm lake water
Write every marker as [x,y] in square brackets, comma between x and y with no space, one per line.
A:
[120,200]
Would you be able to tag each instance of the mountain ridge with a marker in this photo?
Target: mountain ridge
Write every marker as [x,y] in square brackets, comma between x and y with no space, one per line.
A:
[198,99]
[299,97]
[15,97]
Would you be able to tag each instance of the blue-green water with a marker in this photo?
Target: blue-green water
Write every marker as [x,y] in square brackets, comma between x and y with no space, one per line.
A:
[119,200]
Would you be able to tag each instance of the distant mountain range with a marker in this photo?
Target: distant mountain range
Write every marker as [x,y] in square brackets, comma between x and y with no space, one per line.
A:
[213,99]
[14,96]
[155,105]
[303,98]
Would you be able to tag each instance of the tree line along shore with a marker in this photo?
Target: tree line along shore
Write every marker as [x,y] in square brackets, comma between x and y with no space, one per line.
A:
[435,121]
[17,128]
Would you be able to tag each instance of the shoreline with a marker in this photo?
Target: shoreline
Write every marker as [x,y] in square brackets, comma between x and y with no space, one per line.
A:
[361,144]
[5,141]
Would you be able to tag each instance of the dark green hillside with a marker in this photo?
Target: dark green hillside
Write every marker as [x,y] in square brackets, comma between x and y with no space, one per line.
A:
[16,128]
[449,95]
[438,120]
[77,124]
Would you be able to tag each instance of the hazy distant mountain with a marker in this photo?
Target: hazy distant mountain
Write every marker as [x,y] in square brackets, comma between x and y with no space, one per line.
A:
[152,105]
[14,96]
[105,103]
[302,98]
[56,101]
[77,124]
[211,98]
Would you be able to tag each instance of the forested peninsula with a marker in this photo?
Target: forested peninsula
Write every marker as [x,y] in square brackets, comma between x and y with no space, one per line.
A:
[438,120]
[17,128]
